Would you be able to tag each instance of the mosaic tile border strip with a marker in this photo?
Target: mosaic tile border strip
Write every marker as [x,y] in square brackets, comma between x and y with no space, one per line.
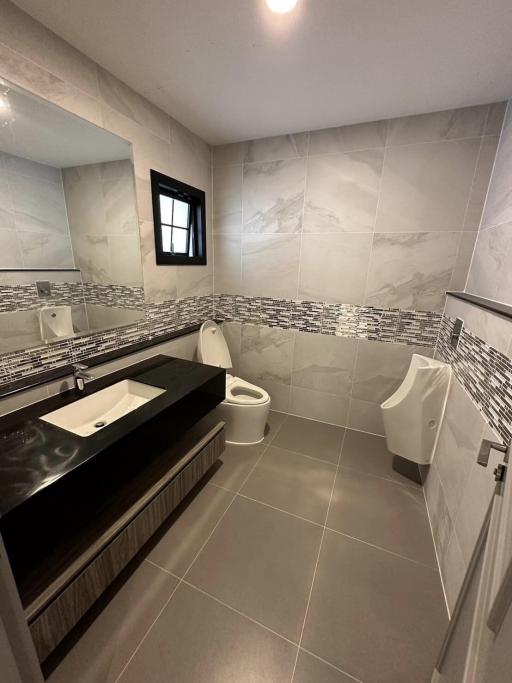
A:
[418,328]
[25,298]
[484,372]
[14,298]
[114,296]
[159,319]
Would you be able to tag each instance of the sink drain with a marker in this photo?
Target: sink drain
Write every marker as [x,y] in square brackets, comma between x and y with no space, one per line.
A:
[99,425]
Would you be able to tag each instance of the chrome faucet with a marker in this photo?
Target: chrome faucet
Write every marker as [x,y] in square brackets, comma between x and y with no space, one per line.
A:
[80,377]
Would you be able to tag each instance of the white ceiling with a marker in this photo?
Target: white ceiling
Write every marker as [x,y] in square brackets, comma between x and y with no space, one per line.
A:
[231,70]
[47,134]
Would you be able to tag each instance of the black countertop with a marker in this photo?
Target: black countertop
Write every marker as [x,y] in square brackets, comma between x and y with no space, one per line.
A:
[35,454]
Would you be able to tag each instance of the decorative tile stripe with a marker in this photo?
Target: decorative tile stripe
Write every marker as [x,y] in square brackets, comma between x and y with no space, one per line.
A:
[484,372]
[418,328]
[25,297]
[159,319]
[114,296]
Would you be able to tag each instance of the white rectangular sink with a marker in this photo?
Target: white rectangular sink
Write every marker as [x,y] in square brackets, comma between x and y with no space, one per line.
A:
[90,414]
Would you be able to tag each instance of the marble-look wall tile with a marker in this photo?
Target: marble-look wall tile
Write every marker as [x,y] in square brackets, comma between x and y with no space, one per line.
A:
[273,196]
[9,249]
[440,520]
[318,405]
[27,74]
[457,447]
[227,263]
[266,353]
[30,169]
[190,157]
[270,265]
[122,98]
[26,35]
[92,257]
[342,192]
[233,335]
[226,155]
[45,250]
[277,148]
[125,266]
[498,207]
[478,492]
[427,186]
[490,269]
[463,261]
[468,122]
[39,205]
[159,281]
[194,280]
[495,118]
[323,363]
[380,368]
[453,569]
[333,267]
[227,199]
[365,416]
[19,329]
[481,181]
[411,270]
[348,138]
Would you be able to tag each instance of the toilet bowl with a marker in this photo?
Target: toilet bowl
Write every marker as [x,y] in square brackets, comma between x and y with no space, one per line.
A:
[246,406]
[412,415]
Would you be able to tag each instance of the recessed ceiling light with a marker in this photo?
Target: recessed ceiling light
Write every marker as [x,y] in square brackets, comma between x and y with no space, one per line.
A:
[281,6]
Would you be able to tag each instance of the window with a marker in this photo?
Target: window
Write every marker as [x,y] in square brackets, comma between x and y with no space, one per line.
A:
[179,219]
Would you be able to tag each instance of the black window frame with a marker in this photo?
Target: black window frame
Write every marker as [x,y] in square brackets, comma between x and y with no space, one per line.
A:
[162,184]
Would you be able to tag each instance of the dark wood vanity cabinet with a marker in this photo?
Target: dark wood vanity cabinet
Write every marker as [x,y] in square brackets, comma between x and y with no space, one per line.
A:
[68,544]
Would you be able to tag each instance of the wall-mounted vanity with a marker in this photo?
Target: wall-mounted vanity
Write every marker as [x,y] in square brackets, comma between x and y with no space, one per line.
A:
[75,509]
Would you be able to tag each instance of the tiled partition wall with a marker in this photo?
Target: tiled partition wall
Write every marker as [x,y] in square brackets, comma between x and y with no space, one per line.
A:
[479,404]
[36,59]
[379,219]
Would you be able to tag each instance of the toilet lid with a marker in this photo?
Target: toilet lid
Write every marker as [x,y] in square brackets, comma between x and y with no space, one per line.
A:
[212,346]
[244,393]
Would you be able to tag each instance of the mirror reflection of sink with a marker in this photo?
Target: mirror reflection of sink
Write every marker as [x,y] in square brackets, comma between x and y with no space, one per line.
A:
[91,413]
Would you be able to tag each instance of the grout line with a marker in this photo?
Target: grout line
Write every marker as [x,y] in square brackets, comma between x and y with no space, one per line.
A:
[378,547]
[174,591]
[438,559]
[333,666]
[317,559]
[286,512]
[305,455]
[376,476]
[237,611]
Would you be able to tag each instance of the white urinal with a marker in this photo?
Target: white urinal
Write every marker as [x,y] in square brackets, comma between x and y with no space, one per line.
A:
[413,414]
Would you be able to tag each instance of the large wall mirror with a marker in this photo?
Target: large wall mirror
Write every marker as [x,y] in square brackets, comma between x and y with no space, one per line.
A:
[70,260]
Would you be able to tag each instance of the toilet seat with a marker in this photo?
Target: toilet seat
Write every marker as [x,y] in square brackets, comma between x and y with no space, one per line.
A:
[240,392]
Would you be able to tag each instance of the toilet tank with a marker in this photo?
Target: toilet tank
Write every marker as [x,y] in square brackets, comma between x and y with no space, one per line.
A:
[212,348]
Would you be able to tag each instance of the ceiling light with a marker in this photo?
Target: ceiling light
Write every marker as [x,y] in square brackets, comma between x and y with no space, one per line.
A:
[281,6]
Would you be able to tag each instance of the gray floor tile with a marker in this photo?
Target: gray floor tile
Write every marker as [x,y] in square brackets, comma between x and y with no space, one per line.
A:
[261,562]
[381,512]
[292,482]
[376,616]
[368,453]
[189,528]
[235,464]
[312,670]
[317,439]
[197,640]
[109,641]
[274,423]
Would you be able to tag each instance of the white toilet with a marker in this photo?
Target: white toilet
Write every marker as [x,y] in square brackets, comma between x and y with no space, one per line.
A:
[246,406]
[412,415]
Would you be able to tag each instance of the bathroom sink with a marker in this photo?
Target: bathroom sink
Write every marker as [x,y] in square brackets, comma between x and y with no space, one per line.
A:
[90,414]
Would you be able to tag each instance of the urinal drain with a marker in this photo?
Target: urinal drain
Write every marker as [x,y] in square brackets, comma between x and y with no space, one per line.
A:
[99,425]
